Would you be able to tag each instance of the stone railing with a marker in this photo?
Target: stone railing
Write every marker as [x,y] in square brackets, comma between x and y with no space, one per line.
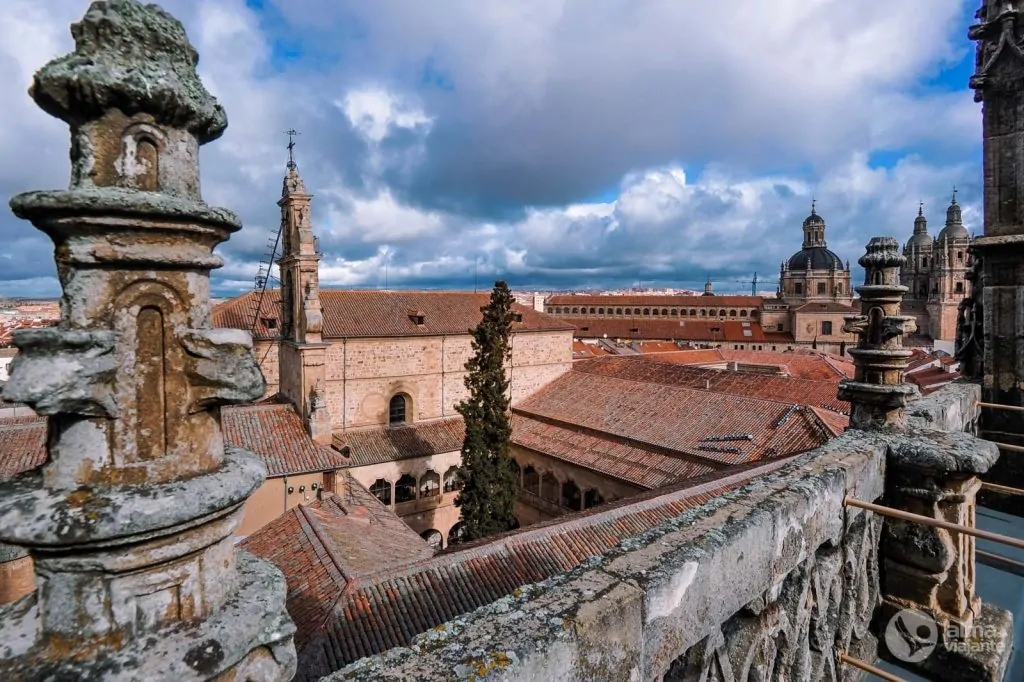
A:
[771,581]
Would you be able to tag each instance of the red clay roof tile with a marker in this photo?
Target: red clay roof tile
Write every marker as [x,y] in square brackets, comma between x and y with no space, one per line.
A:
[349,313]
[391,444]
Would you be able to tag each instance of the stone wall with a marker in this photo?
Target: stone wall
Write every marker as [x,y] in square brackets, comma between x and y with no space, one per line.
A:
[363,374]
[770,581]
[777,575]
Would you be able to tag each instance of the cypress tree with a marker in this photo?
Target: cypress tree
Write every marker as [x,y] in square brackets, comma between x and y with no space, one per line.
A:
[488,495]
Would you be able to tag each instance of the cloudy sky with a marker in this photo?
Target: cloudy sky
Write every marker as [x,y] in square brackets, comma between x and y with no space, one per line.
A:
[555,143]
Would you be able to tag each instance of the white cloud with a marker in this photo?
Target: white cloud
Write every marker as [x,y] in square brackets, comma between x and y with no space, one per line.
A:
[375,112]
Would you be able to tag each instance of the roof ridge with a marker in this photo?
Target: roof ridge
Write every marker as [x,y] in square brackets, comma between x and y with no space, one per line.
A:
[318,532]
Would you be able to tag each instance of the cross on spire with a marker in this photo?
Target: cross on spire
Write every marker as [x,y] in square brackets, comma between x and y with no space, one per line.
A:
[291,133]
[954,194]
[814,203]
[920,208]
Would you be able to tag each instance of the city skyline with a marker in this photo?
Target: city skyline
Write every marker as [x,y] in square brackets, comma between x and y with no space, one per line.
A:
[438,159]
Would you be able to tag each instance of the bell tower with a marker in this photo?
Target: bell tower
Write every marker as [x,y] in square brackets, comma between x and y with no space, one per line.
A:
[303,355]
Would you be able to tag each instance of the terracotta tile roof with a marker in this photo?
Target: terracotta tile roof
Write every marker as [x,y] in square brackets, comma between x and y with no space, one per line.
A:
[780,338]
[655,301]
[728,429]
[391,444]
[390,608]
[324,547]
[273,432]
[781,389]
[642,465]
[932,379]
[689,329]
[703,356]
[349,313]
[582,350]
[835,423]
[22,445]
[276,434]
[655,346]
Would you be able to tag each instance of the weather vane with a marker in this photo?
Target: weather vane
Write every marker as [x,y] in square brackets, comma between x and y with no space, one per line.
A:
[291,147]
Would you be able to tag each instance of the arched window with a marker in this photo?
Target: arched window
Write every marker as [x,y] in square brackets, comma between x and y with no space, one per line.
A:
[575,311]
[405,489]
[396,410]
[664,311]
[821,288]
[592,498]
[959,287]
[452,482]
[591,311]
[571,496]
[618,311]
[647,311]
[549,488]
[732,313]
[457,534]
[703,312]
[743,313]
[753,313]
[655,311]
[600,311]
[430,484]
[433,538]
[676,311]
[924,262]
[636,311]
[693,311]
[721,313]
[798,288]
[381,489]
[531,480]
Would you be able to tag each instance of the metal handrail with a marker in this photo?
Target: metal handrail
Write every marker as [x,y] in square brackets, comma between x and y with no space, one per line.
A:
[928,521]
[867,667]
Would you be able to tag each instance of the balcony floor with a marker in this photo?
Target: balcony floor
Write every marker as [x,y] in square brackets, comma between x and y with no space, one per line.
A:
[995,585]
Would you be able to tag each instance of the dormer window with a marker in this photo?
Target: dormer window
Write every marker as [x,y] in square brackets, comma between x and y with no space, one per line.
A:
[517,317]
[269,322]
[418,317]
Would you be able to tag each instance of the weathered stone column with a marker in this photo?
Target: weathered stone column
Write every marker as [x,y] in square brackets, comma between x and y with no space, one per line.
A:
[130,521]
[878,393]
[926,570]
[993,317]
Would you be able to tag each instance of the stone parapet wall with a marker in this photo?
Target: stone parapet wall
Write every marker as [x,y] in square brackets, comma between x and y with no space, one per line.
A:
[778,575]
[764,574]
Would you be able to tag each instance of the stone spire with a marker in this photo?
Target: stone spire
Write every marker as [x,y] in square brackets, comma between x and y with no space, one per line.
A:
[878,393]
[130,521]
[708,288]
[814,229]
[303,355]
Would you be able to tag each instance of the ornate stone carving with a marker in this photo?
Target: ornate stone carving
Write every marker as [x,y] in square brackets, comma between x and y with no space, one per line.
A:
[59,371]
[970,338]
[793,631]
[877,393]
[999,35]
[130,521]
[221,367]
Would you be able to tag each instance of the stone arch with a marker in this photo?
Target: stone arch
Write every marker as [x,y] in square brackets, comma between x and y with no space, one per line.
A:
[456,534]
[430,484]
[571,497]
[664,311]
[405,489]
[531,480]
[139,163]
[399,409]
[550,488]
[600,311]
[592,498]
[381,489]
[732,313]
[433,538]
[452,482]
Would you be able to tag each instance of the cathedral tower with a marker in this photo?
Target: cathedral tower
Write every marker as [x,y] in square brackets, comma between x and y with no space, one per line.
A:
[303,355]
[918,253]
[947,281]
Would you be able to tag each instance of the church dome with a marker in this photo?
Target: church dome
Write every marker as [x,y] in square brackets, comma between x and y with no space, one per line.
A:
[820,258]
[954,228]
[813,219]
[921,239]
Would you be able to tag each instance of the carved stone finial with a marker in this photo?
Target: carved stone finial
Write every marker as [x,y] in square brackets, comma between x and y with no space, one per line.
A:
[136,505]
[878,393]
[131,57]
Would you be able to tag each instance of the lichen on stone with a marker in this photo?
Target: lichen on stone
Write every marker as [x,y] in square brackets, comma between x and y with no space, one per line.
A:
[135,58]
